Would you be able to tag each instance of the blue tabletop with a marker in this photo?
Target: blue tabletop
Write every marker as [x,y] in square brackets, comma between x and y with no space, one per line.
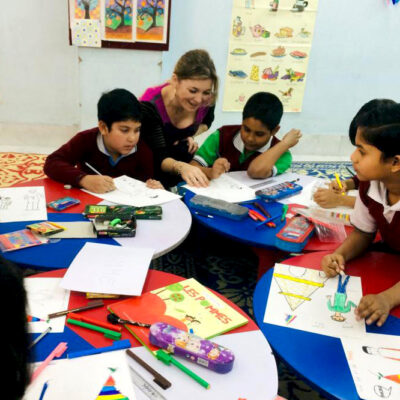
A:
[319,359]
[244,230]
[58,253]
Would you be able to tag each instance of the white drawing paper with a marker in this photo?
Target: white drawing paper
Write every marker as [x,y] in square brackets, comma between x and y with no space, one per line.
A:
[305,299]
[225,188]
[23,204]
[101,268]
[133,192]
[83,378]
[45,296]
[374,363]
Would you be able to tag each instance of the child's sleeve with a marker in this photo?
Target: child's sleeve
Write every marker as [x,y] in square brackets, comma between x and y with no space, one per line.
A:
[361,218]
[283,163]
[209,150]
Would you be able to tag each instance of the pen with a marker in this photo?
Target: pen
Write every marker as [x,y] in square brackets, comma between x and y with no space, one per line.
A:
[204,215]
[351,172]
[41,336]
[262,209]
[90,305]
[57,352]
[43,391]
[93,321]
[118,345]
[93,169]
[284,211]
[338,182]
[168,359]
[109,334]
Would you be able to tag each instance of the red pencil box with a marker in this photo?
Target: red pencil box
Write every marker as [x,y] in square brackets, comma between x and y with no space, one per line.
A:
[295,234]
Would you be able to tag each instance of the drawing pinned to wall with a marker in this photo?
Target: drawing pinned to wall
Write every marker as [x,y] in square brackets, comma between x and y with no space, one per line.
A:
[270,42]
[86,33]
[118,20]
[298,297]
[152,17]
[87,9]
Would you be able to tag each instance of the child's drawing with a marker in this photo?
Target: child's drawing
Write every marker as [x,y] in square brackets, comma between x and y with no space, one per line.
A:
[109,391]
[382,391]
[5,202]
[339,305]
[385,352]
[33,199]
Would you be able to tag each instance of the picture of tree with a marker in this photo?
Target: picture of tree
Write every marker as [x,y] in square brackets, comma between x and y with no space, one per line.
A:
[118,19]
[87,9]
[151,19]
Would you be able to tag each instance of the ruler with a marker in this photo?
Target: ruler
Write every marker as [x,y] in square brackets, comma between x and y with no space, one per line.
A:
[145,386]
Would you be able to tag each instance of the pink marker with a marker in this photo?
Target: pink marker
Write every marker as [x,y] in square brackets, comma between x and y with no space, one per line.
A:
[57,352]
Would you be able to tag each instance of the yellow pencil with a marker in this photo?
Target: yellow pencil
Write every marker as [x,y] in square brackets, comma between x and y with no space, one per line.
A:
[57,225]
[339,183]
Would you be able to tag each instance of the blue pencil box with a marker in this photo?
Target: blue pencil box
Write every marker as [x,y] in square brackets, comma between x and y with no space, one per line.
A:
[276,192]
[295,234]
[217,207]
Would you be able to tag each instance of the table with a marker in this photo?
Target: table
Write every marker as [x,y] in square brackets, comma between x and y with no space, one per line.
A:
[248,339]
[302,350]
[163,235]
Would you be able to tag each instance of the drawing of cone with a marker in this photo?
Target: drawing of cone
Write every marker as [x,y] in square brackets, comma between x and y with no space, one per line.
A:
[110,392]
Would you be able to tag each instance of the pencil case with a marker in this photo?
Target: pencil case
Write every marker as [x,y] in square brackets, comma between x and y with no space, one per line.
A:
[222,208]
[63,203]
[279,191]
[123,225]
[295,234]
[147,212]
[194,348]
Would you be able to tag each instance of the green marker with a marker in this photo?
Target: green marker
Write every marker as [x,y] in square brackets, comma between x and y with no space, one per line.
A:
[107,332]
[285,208]
[168,359]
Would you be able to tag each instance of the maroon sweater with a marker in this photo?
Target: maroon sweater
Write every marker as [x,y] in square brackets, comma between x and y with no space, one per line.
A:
[67,164]
[228,150]
[390,232]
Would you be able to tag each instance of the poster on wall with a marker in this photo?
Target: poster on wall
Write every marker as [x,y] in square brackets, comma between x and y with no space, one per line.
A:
[269,49]
[141,24]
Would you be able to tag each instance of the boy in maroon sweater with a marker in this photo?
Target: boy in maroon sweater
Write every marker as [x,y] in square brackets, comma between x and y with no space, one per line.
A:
[112,149]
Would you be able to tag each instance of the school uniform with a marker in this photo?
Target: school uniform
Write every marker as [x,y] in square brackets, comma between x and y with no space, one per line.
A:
[67,164]
[373,213]
[226,142]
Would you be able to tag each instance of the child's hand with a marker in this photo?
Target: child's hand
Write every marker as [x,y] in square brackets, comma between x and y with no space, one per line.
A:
[97,183]
[192,145]
[327,198]
[335,187]
[220,166]
[333,264]
[373,307]
[153,184]
[292,137]
[194,176]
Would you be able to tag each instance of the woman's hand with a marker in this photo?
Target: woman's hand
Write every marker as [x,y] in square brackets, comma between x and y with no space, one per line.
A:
[193,176]
[153,184]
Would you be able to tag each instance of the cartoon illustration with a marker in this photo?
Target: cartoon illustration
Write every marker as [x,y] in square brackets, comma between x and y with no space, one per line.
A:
[304,34]
[394,378]
[259,31]
[241,98]
[382,391]
[339,305]
[284,32]
[274,5]
[299,6]
[238,74]
[288,92]
[255,73]
[269,74]
[385,352]
[294,76]
[32,200]
[5,202]
[279,52]
[238,52]
[189,319]
[298,54]
[109,389]
[238,29]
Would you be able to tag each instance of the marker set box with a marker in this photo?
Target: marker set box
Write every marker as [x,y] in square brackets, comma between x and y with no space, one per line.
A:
[279,191]
[148,212]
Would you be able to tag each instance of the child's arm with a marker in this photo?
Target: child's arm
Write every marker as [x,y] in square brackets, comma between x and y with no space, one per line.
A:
[355,244]
[97,183]
[376,307]
[220,166]
[347,184]
[328,198]
[261,166]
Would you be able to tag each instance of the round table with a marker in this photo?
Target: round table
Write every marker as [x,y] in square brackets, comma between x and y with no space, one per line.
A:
[320,359]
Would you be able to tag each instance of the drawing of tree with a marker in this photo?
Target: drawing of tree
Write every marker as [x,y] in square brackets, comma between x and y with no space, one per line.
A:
[152,9]
[119,10]
[87,5]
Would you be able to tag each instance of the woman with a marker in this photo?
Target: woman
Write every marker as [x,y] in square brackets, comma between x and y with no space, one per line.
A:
[176,111]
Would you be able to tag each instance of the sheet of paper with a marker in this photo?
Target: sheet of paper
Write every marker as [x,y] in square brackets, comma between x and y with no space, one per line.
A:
[374,363]
[133,192]
[225,188]
[83,378]
[254,374]
[23,204]
[79,230]
[86,32]
[45,296]
[102,268]
[305,299]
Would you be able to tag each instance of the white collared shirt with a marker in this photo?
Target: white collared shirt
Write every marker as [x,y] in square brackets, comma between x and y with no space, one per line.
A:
[101,146]
[362,219]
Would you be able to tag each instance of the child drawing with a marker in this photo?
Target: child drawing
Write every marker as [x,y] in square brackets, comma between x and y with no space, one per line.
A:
[339,304]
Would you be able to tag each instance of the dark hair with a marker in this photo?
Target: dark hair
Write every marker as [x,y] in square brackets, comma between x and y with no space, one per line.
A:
[374,113]
[265,107]
[14,344]
[118,105]
[385,138]
[197,64]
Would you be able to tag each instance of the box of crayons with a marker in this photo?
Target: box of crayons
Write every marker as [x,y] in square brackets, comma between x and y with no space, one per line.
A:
[123,225]
[45,228]
[148,212]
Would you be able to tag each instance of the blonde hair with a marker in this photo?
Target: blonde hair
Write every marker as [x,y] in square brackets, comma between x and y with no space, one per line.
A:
[197,64]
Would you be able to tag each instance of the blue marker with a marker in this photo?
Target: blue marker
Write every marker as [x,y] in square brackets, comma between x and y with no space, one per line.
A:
[43,391]
[118,345]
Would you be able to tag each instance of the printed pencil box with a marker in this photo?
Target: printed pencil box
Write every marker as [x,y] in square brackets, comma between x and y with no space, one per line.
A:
[193,348]
[279,191]
[147,212]
[124,225]
[295,234]
[218,207]
[63,203]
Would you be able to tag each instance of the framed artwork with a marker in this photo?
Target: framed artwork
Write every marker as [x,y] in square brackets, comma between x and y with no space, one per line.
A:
[127,24]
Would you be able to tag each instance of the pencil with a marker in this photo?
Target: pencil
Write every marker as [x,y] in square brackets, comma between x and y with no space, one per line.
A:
[338,182]
[41,336]
[92,304]
[93,169]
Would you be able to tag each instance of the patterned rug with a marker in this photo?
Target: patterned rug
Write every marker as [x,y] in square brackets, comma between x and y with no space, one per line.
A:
[219,263]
